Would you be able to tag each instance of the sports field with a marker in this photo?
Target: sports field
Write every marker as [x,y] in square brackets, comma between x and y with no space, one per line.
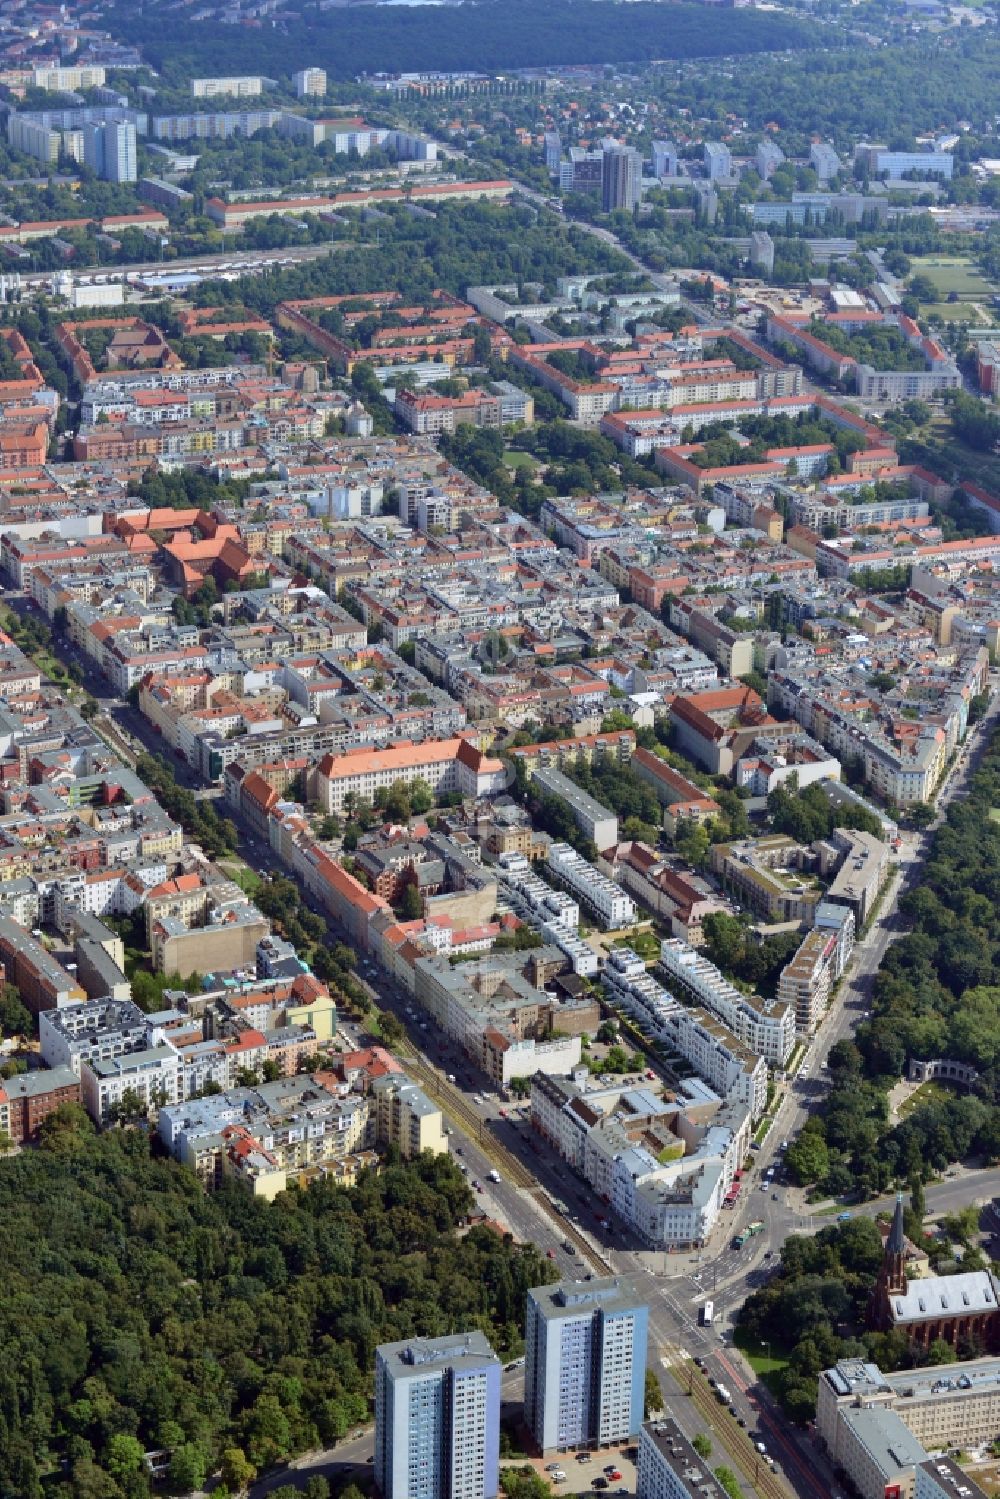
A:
[953,273]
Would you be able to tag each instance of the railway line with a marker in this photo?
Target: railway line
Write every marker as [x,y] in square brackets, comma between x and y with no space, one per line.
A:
[754,1469]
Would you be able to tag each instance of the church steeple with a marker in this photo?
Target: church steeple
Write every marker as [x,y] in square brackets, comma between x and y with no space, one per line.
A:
[892,1276]
[895,1244]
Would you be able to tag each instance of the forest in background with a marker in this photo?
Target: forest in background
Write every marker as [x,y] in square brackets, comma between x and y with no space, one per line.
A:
[483,37]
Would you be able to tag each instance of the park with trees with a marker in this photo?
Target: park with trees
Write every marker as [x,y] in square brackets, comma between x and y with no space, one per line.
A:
[141,1313]
[937,994]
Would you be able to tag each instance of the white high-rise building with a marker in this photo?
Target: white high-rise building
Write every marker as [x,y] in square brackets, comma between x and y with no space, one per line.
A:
[585,1362]
[310,83]
[664,159]
[718,161]
[110,150]
[437,1418]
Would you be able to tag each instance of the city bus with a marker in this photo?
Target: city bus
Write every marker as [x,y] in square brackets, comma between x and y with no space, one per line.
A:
[707,1314]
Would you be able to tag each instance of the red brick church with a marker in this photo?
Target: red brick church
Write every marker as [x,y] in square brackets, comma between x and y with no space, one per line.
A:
[961,1310]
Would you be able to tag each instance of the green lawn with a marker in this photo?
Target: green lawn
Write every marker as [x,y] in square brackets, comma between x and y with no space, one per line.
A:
[995,814]
[247,879]
[517,459]
[646,944]
[958,312]
[953,273]
[926,1093]
[767,1362]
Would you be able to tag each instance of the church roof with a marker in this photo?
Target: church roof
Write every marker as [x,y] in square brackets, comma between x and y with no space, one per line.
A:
[944,1296]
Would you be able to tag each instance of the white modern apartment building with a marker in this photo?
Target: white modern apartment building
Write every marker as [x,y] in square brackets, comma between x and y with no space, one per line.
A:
[437,1418]
[585,1362]
[766,1026]
[553,906]
[247,86]
[154,1077]
[98,1030]
[807,978]
[724,1062]
[556,914]
[608,901]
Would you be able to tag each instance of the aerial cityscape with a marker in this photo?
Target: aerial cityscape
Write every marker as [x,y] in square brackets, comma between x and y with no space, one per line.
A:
[500,749]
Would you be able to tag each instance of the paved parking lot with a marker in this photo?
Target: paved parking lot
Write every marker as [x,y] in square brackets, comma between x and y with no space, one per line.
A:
[580,1476]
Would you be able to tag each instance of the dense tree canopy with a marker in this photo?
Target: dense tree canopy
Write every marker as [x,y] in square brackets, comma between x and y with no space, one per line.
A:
[140,1312]
[486,36]
[821,1290]
[937,994]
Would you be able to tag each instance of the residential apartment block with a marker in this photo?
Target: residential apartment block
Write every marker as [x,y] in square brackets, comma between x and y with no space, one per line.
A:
[437,1418]
[446,765]
[310,83]
[244,87]
[666,1165]
[729,1066]
[28,1098]
[596,822]
[766,1026]
[669,1467]
[608,901]
[500,1017]
[585,1363]
[807,979]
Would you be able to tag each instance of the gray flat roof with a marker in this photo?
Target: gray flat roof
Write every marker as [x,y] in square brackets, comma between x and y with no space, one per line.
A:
[44,1080]
[883,1434]
[676,1451]
[574,1298]
[414,1356]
